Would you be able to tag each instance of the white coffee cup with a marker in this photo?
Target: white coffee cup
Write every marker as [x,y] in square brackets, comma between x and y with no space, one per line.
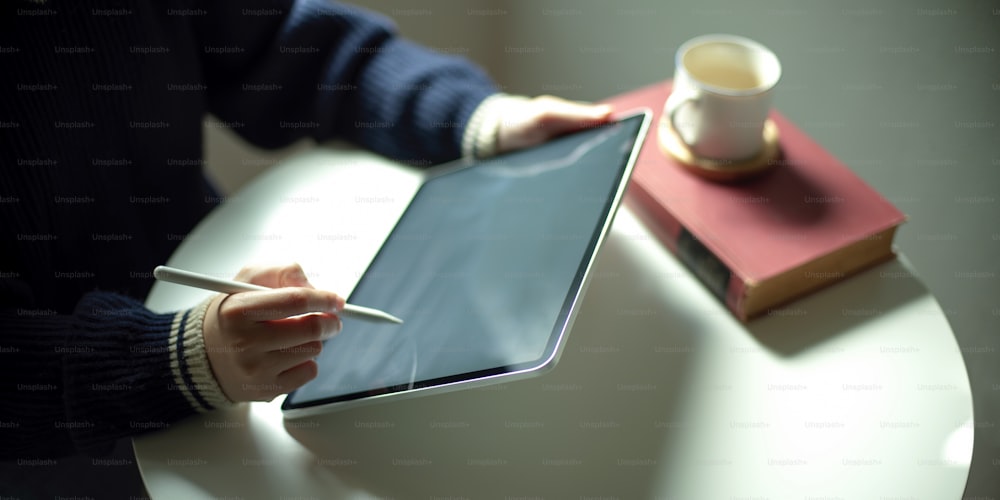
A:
[722,95]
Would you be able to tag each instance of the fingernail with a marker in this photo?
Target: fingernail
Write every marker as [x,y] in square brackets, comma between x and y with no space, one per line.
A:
[334,329]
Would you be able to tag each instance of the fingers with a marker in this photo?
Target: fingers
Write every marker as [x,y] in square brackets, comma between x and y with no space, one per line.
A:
[297,376]
[261,344]
[558,116]
[279,303]
[291,357]
[291,332]
[561,112]
[537,120]
[279,319]
[283,383]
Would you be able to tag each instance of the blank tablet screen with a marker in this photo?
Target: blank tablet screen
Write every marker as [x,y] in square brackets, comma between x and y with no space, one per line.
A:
[484,267]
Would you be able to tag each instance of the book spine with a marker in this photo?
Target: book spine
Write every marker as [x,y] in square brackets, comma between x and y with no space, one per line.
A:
[706,266]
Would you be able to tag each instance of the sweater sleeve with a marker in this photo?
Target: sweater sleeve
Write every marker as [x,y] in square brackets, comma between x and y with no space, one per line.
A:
[325,70]
[76,383]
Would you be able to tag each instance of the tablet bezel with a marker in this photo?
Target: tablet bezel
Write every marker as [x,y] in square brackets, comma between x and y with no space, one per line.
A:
[500,374]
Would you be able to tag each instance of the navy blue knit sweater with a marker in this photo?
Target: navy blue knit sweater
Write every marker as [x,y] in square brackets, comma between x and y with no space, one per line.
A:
[101,176]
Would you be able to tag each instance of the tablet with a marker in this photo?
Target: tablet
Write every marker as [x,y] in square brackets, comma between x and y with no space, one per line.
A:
[486,267]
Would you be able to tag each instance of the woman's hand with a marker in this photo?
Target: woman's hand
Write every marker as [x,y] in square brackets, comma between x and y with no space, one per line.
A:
[528,122]
[262,344]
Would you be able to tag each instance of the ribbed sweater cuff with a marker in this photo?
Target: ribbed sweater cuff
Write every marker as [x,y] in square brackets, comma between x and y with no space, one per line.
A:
[480,139]
[116,371]
[189,361]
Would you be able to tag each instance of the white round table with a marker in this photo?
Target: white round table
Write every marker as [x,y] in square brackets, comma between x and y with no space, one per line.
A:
[857,391]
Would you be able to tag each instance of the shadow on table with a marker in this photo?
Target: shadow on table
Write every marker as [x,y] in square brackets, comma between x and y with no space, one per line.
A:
[599,424]
[808,322]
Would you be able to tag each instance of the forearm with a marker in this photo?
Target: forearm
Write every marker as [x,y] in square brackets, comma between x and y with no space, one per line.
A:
[76,383]
[326,70]
[417,103]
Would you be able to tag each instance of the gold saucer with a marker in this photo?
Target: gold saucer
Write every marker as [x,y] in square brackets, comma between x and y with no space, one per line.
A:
[720,170]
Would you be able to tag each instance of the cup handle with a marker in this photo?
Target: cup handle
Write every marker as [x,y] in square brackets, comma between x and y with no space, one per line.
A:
[681,101]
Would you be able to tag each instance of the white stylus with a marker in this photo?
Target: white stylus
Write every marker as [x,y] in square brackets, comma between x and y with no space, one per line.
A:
[205,282]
